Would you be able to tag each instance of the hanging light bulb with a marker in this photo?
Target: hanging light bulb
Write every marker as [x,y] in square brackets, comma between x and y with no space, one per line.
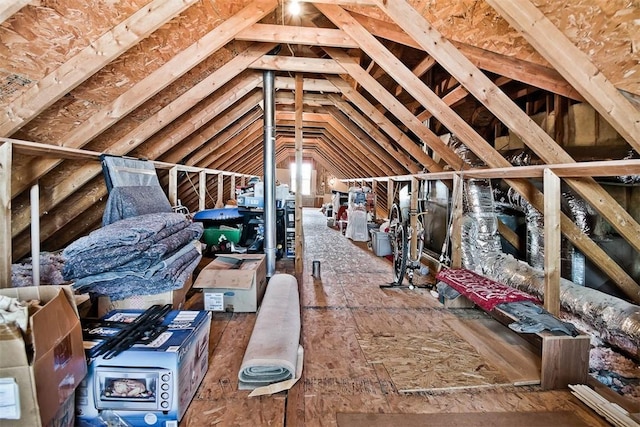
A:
[294,8]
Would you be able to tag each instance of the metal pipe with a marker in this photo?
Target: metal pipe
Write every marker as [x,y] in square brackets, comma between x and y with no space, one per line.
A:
[269,172]
[34,195]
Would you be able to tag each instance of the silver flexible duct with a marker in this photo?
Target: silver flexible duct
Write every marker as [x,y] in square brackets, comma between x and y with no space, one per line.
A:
[617,321]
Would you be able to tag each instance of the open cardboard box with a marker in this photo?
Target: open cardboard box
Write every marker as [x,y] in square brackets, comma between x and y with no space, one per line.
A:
[40,378]
[233,282]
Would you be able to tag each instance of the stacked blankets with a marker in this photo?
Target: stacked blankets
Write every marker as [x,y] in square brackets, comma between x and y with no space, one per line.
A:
[141,255]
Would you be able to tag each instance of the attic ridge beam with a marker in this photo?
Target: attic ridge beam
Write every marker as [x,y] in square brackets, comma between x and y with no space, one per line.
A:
[10,7]
[155,82]
[574,65]
[88,61]
[297,35]
[508,112]
[295,64]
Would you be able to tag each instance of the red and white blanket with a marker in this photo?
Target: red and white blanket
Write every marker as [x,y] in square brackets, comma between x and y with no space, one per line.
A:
[481,290]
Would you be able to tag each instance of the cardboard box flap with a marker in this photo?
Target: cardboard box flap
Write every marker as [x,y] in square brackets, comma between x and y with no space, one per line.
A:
[13,351]
[229,271]
[51,324]
[232,279]
[42,293]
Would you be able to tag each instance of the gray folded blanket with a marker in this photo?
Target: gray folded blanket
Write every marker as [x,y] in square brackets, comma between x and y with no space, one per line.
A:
[272,352]
[169,274]
[128,244]
[125,202]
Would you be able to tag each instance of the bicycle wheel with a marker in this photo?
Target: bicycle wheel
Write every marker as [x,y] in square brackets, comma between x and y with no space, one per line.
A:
[400,253]
[398,240]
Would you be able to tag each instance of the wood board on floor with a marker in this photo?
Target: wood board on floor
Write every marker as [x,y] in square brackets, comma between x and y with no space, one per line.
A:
[469,419]
[518,360]
[430,361]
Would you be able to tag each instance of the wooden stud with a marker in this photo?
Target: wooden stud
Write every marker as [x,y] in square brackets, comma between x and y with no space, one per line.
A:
[202,190]
[5,214]
[9,7]
[552,242]
[173,186]
[456,222]
[220,196]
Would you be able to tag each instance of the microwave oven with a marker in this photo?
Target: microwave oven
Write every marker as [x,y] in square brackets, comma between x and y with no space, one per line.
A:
[137,389]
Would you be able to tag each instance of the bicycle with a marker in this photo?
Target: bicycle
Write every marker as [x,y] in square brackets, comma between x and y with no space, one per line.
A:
[401,232]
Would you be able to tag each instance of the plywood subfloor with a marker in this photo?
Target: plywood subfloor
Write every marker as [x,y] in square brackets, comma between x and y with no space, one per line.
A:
[338,310]
[421,361]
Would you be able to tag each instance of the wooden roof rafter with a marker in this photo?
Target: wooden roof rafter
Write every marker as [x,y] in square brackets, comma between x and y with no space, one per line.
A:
[87,62]
[506,111]
[10,7]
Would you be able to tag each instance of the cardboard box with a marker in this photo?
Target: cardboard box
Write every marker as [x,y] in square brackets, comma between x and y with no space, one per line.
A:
[251,201]
[176,298]
[41,378]
[233,282]
[148,385]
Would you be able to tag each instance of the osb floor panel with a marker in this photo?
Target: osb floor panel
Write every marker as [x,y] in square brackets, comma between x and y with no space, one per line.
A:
[344,313]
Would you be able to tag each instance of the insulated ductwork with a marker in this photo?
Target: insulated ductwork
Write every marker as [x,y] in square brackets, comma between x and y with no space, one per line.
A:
[617,321]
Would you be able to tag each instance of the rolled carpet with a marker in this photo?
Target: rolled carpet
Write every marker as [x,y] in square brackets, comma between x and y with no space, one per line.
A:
[272,353]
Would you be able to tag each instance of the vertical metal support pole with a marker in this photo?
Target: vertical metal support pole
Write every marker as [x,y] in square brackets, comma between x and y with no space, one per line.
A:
[34,195]
[269,171]
[552,242]
[299,247]
[5,214]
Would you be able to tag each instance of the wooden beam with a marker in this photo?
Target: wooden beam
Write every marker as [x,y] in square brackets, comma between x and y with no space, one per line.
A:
[456,222]
[297,65]
[197,146]
[552,240]
[574,65]
[313,36]
[311,85]
[87,62]
[9,7]
[220,195]
[5,214]
[202,190]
